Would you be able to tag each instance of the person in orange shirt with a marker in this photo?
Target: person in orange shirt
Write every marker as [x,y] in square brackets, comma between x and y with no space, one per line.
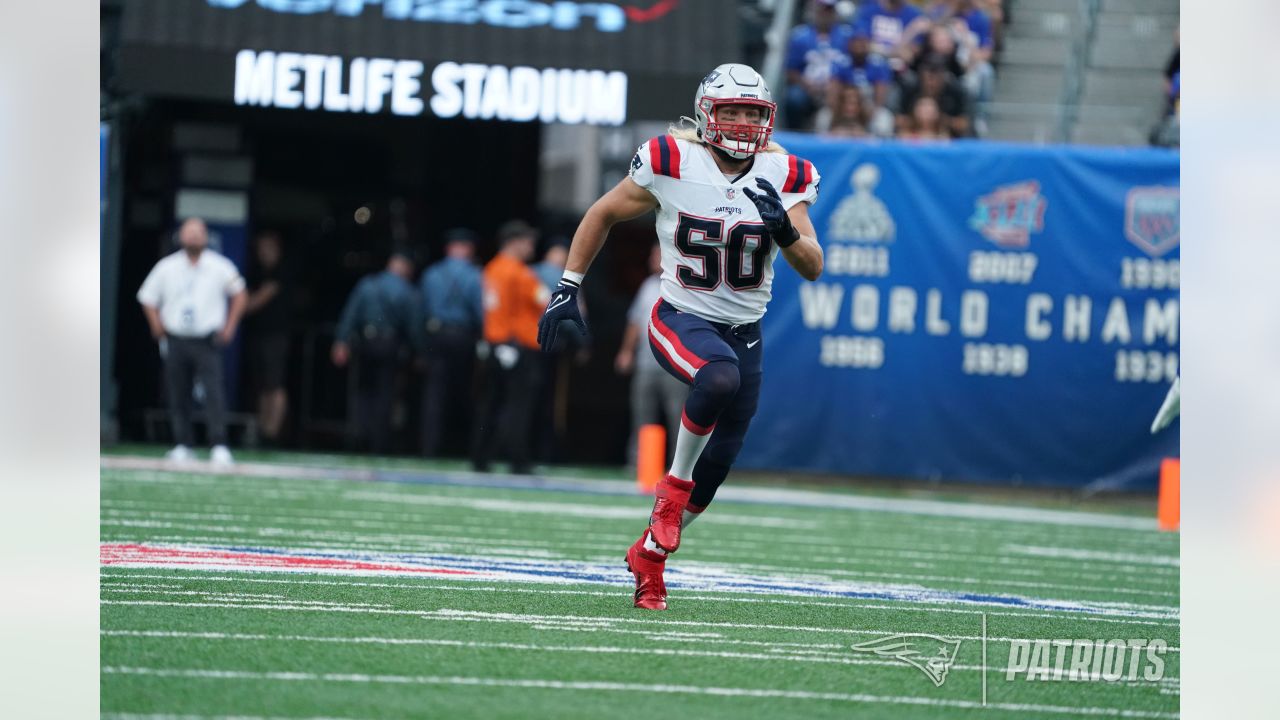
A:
[513,302]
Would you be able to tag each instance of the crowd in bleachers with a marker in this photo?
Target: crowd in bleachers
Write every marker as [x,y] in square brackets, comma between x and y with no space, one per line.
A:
[893,68]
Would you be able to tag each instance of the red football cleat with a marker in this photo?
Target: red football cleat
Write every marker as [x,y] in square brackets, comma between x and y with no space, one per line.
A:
[646,565]
[668,512]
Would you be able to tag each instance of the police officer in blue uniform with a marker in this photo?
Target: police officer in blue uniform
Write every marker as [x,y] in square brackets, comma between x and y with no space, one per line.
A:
[380,318]
[452,307]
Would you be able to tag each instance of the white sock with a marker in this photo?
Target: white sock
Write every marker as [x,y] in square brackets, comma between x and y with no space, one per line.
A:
[652,546]
[690,441]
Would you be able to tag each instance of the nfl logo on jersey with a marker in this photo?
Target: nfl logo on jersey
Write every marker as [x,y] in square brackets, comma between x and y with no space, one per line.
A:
[730,193]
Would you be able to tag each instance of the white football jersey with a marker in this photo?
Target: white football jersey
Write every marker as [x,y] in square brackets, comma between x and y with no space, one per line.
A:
[717,257]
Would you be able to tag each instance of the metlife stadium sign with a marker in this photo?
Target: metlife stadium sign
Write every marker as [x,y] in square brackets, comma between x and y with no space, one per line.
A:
[514,60]
[473,91]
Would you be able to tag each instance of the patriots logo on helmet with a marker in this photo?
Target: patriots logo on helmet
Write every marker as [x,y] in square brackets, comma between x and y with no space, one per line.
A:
[711,77]
[930,655]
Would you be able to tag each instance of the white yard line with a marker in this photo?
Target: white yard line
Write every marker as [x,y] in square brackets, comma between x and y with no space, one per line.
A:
[768,496]
[649,689]
[777,653]
[586,621]
[728,596]
[1165,561]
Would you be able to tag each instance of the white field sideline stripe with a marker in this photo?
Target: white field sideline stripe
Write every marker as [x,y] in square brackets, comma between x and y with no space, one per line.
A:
[768,496]
[778,654]
[703,638]
[572,510]
[886,526]
[595,623]
[600,511]
[624,687]
[728,596]
[1075,554]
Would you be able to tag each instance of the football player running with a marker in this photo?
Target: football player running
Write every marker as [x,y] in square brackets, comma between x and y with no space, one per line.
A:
[728,200]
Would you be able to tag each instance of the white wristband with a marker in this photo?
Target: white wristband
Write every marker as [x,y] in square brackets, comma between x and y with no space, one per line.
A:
[575,277]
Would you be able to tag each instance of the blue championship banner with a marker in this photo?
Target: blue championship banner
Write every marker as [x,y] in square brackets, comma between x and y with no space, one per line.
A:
[988,313]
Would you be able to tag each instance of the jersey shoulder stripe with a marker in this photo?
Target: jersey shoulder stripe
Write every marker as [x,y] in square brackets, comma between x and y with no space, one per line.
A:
[799,175]
[664,156]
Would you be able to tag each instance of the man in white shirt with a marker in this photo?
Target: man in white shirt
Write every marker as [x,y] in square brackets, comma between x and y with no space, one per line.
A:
[185,301]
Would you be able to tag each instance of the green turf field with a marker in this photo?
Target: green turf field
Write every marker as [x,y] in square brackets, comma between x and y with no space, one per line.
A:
[305,592]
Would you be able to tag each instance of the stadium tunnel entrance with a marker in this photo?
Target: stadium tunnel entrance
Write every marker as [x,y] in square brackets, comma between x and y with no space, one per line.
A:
[342,191]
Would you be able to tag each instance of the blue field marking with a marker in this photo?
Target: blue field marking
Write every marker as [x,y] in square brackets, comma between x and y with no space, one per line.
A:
[700,577]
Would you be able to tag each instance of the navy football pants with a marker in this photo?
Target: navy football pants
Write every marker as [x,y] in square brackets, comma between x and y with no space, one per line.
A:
[723,365]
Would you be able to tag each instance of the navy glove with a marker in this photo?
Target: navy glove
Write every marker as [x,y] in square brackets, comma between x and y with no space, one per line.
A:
[563,305]
[769,203]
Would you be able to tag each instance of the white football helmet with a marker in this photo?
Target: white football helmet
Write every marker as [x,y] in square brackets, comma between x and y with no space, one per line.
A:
[734,84]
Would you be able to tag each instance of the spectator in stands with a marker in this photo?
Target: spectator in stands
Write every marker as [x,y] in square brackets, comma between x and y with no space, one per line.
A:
[935,82]
[1172,75]
[996,12]
[867,72]
[1167,131]
[656,395]
[381,317]
[926,38]
[925,121]
[550,424]
[452,308]
[267,317]
[886,22]
[971,28]
[185,300]
[811,51]
[850,118]
[513,300]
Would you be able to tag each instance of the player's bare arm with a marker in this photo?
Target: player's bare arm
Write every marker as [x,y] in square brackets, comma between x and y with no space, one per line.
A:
[805,254]
[625,201]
